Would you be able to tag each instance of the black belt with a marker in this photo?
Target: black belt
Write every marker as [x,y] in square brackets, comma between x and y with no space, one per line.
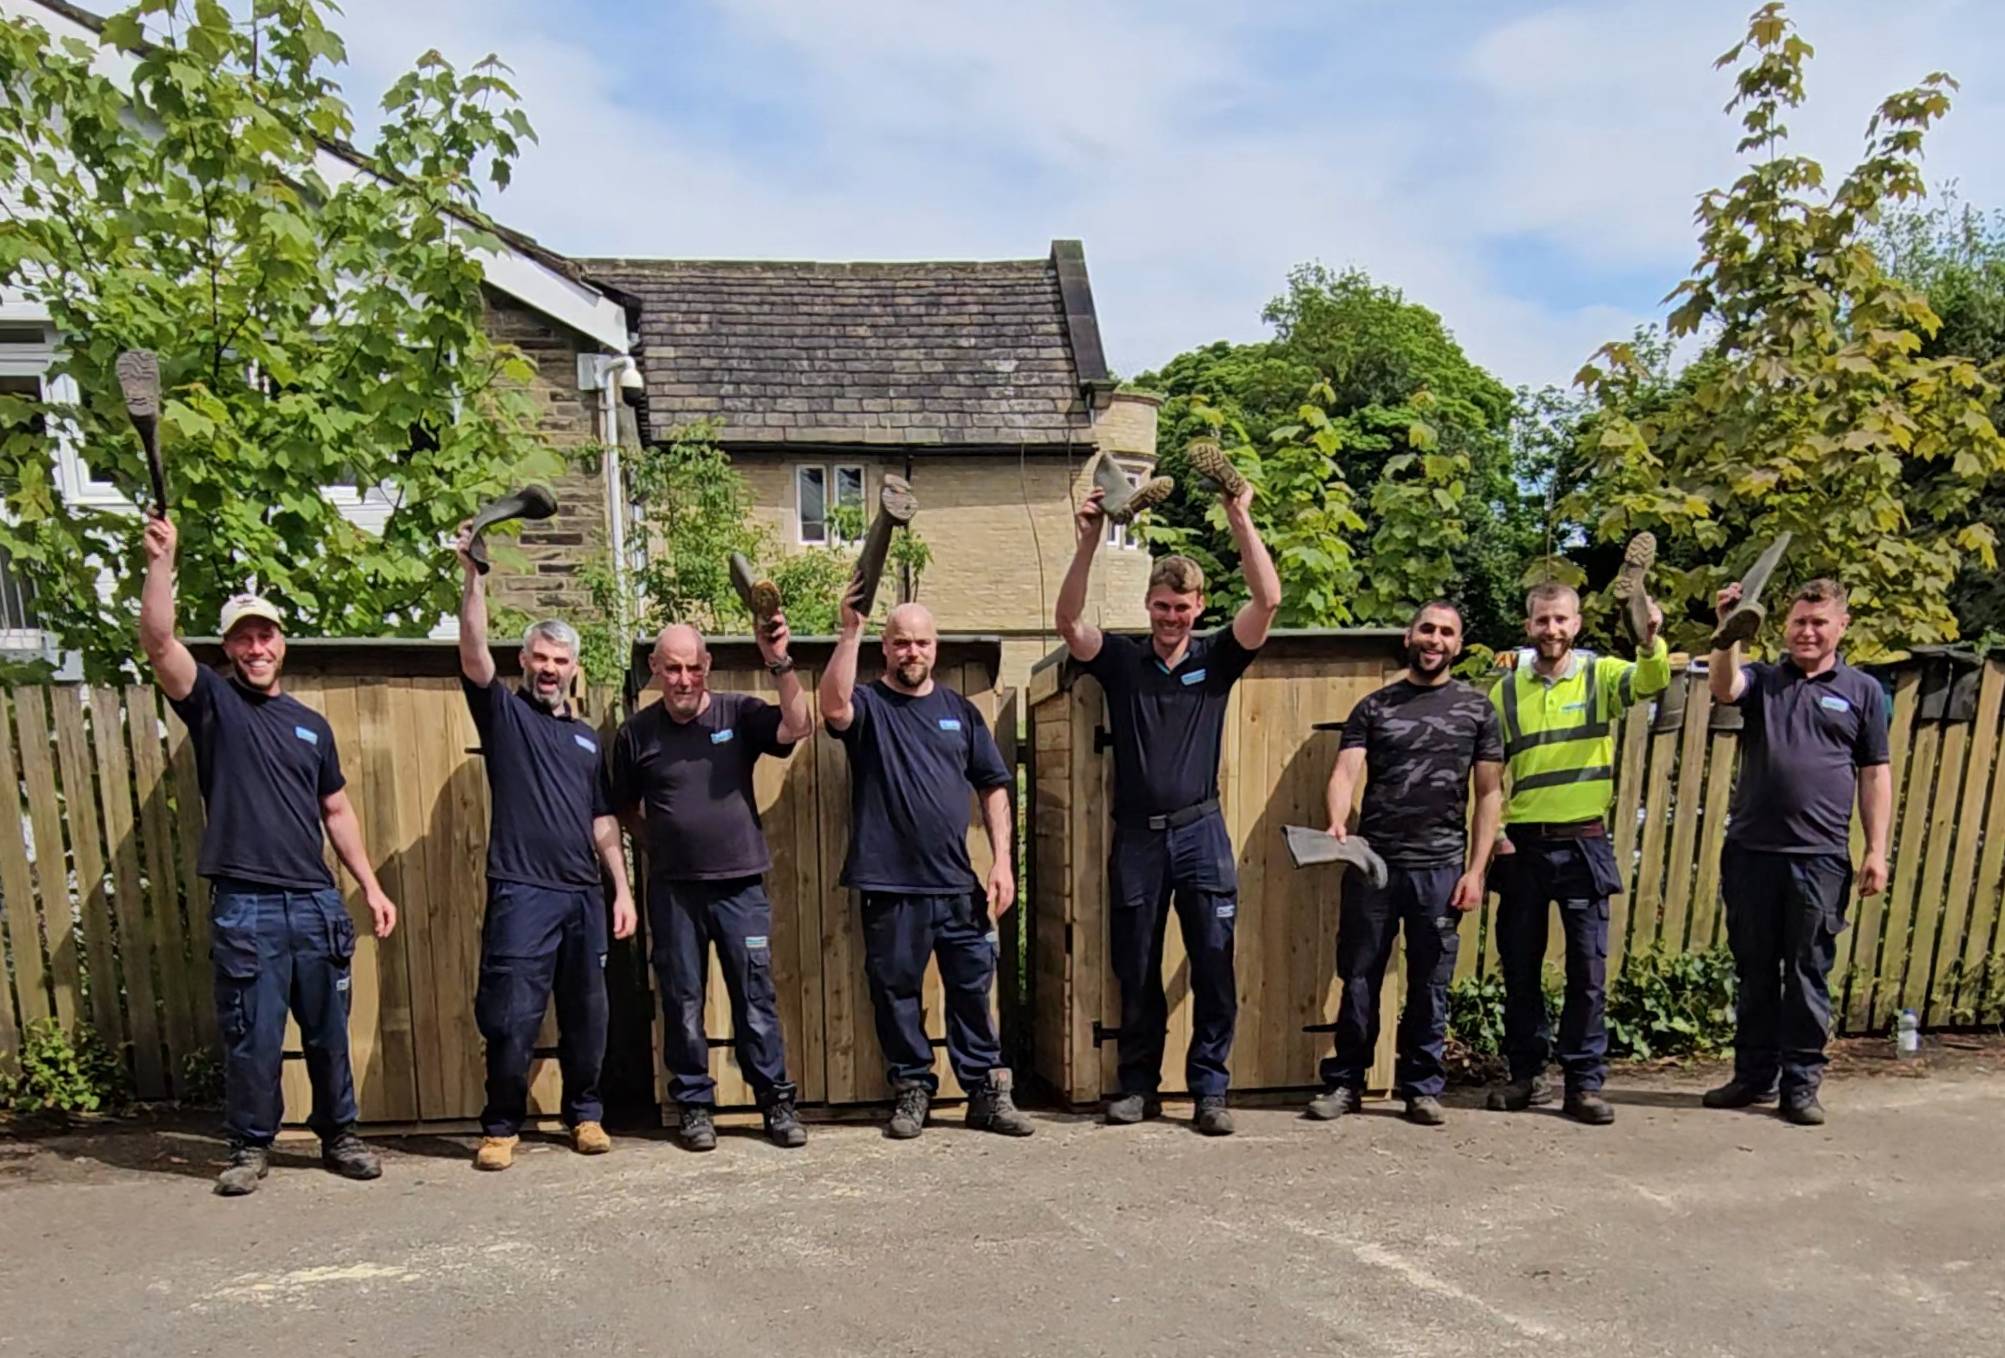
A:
[1561,829]
[1172,820]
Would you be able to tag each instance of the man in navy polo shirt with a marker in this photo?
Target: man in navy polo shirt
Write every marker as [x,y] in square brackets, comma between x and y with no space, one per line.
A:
[551,833]
[687,762]
[1814,740]
[1166,700]
[917,749]
[280,937]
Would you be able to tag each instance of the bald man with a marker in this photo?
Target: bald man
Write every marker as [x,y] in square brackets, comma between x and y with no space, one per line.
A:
[917,751]
[687,763]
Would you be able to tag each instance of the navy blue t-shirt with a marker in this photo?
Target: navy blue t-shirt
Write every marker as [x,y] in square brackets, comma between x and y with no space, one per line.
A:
[1803,742]
[912,762]
[546,782]
[264,763]
[1167,724]
[695,780]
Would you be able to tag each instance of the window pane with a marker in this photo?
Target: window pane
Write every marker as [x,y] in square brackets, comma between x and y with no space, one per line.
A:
[812,485]
[849,486]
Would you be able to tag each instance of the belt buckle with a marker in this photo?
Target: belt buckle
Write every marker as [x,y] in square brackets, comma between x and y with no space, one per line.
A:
[1159,822]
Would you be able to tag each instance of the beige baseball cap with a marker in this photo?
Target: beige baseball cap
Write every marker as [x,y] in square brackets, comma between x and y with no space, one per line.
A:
[242,606]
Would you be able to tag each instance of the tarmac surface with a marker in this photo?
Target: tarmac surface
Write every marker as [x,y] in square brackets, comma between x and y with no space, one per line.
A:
[1676,1231]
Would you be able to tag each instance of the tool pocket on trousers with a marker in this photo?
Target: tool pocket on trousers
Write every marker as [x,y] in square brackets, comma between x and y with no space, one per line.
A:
[234,952]
[1600,856]
[759,971]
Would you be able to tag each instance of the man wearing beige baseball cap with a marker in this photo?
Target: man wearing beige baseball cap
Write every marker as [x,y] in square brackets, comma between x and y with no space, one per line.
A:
[281,939]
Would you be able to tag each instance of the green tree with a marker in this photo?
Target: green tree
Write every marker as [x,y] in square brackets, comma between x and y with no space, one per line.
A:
[1815,408]
[314,328]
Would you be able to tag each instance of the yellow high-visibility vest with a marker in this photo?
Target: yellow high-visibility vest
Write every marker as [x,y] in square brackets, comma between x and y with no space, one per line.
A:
[1559,733]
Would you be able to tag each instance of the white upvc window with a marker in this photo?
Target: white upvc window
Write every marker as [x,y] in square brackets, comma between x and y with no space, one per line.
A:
[1117,533]
[817,491]
[27,351]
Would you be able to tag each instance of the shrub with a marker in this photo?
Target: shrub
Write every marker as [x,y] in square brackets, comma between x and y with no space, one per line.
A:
[63,1074]
[1672,1004]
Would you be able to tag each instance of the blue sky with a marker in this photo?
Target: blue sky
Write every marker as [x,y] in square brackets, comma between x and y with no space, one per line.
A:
[1527,170]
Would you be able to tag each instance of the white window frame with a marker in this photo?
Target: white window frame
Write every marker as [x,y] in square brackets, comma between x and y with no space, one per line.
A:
[830,475]
[835,493]
[801,473]
[33,359]
[1118,535]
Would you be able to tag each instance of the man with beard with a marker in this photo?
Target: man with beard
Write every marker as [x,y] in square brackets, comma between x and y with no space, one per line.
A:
[916,750]
[1417,739]
[1559,708]
[687,761]
[1814,739]
[280,936]
[551,832]
[1166,701]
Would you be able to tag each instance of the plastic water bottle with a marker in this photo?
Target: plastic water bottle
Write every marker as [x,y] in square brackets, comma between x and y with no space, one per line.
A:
[1907,1034]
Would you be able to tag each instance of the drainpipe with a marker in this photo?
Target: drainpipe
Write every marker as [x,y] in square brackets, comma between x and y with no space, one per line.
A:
[613,374]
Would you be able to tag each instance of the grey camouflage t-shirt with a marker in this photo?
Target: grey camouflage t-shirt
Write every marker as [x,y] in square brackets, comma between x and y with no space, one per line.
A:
[1419,745]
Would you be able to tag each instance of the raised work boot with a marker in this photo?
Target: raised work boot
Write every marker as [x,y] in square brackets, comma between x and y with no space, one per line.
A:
[589,1138]
[1746,616]
[760,596]
[992,1109]
[1519,1095]
[1587,1105]
[783,1124]
[350,1156]
[1212,1117]
[908,1115]
[1208,460]
[1130,1109]
[1332,1104]
[248,1164]
[1630,588]
[698,1131]
[1803,1109]
[1121,501]
[1425,1111]
[495,1152]
[1738,1093]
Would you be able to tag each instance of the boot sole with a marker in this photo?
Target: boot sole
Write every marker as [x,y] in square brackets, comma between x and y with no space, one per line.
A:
[1145,497]
[987,1126]
[1740,626]
[1630,587]
[359,1173]
[1149,1110]
[1208,460]
[900,1134]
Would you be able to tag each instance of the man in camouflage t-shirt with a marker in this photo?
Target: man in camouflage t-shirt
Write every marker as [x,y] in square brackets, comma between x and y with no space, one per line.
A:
[1417,741]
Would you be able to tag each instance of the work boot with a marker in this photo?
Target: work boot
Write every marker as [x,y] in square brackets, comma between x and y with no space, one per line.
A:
[1130,1109]
[1587,1105]
[496,1152]
[1208,460]
[992,1109]
[1519,1095]
[760,596]
[589,1138]
[248,1164]
[1122,502]
[697,1132]
[1803,1109]
[1212,1117]
[349,1156]
[1745,618]
[783,1124]
[1630,589]
[1332,1104]
[1737,1093]
[908,1116]
[1425,1110]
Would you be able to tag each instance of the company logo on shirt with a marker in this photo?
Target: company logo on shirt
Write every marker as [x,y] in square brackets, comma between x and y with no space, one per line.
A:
[586,743]
[1194,677]
[1573,707]
[720,737]
[950,723]
[311,737]
[1833,703]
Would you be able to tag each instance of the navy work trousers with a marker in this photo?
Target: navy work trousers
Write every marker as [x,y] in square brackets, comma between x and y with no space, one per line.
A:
[1191,865]
[1418,899]
[277,950]
[536,936]
[899,934]
[687,918]
[1784,912]
[1578,874]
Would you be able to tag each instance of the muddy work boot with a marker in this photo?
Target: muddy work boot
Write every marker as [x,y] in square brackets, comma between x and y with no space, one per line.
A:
[1208,460]
[1631,589]
[1738,1093]
[248,1164]
[495,1152]
[1803,1109]
[1424,1110]
[761,597]
[1123,501]
[908,1115]
[1212,1118]
[1519,1095]
[992,1109]
[698,1131]
[589,1138]
[783,1124]
[350,1156]
[1129,1109]
[1745,618]
[1332,1104]
[1587,1105]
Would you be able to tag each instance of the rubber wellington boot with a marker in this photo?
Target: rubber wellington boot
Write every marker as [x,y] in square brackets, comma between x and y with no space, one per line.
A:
[1123,501]
[1747,615]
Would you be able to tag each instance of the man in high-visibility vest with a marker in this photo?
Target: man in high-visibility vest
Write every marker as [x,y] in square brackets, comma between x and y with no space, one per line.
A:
[1558,708]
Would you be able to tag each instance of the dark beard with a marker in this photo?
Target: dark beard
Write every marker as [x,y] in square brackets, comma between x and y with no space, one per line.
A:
[1418,661]
[912,675]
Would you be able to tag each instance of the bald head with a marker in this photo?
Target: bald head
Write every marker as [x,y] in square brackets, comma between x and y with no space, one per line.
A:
[911,641]
[681,665]
[913,618]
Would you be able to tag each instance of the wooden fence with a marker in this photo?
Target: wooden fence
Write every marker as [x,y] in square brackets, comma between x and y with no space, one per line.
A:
[1930,943]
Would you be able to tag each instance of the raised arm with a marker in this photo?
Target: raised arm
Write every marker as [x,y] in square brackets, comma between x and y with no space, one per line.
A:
[344,832]
[1082,638]
[476,661]
[1723,672]
[1263,583]
[795,720]
[1343,788]
[838,678]
[172,663]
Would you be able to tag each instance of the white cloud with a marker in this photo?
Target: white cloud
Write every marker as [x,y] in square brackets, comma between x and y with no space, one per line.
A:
[1198,151]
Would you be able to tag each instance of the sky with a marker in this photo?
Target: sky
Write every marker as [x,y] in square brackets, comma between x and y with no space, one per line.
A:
[1526,170]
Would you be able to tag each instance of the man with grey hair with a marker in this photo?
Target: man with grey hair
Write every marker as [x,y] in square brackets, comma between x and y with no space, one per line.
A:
[688,761]
[552,838]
